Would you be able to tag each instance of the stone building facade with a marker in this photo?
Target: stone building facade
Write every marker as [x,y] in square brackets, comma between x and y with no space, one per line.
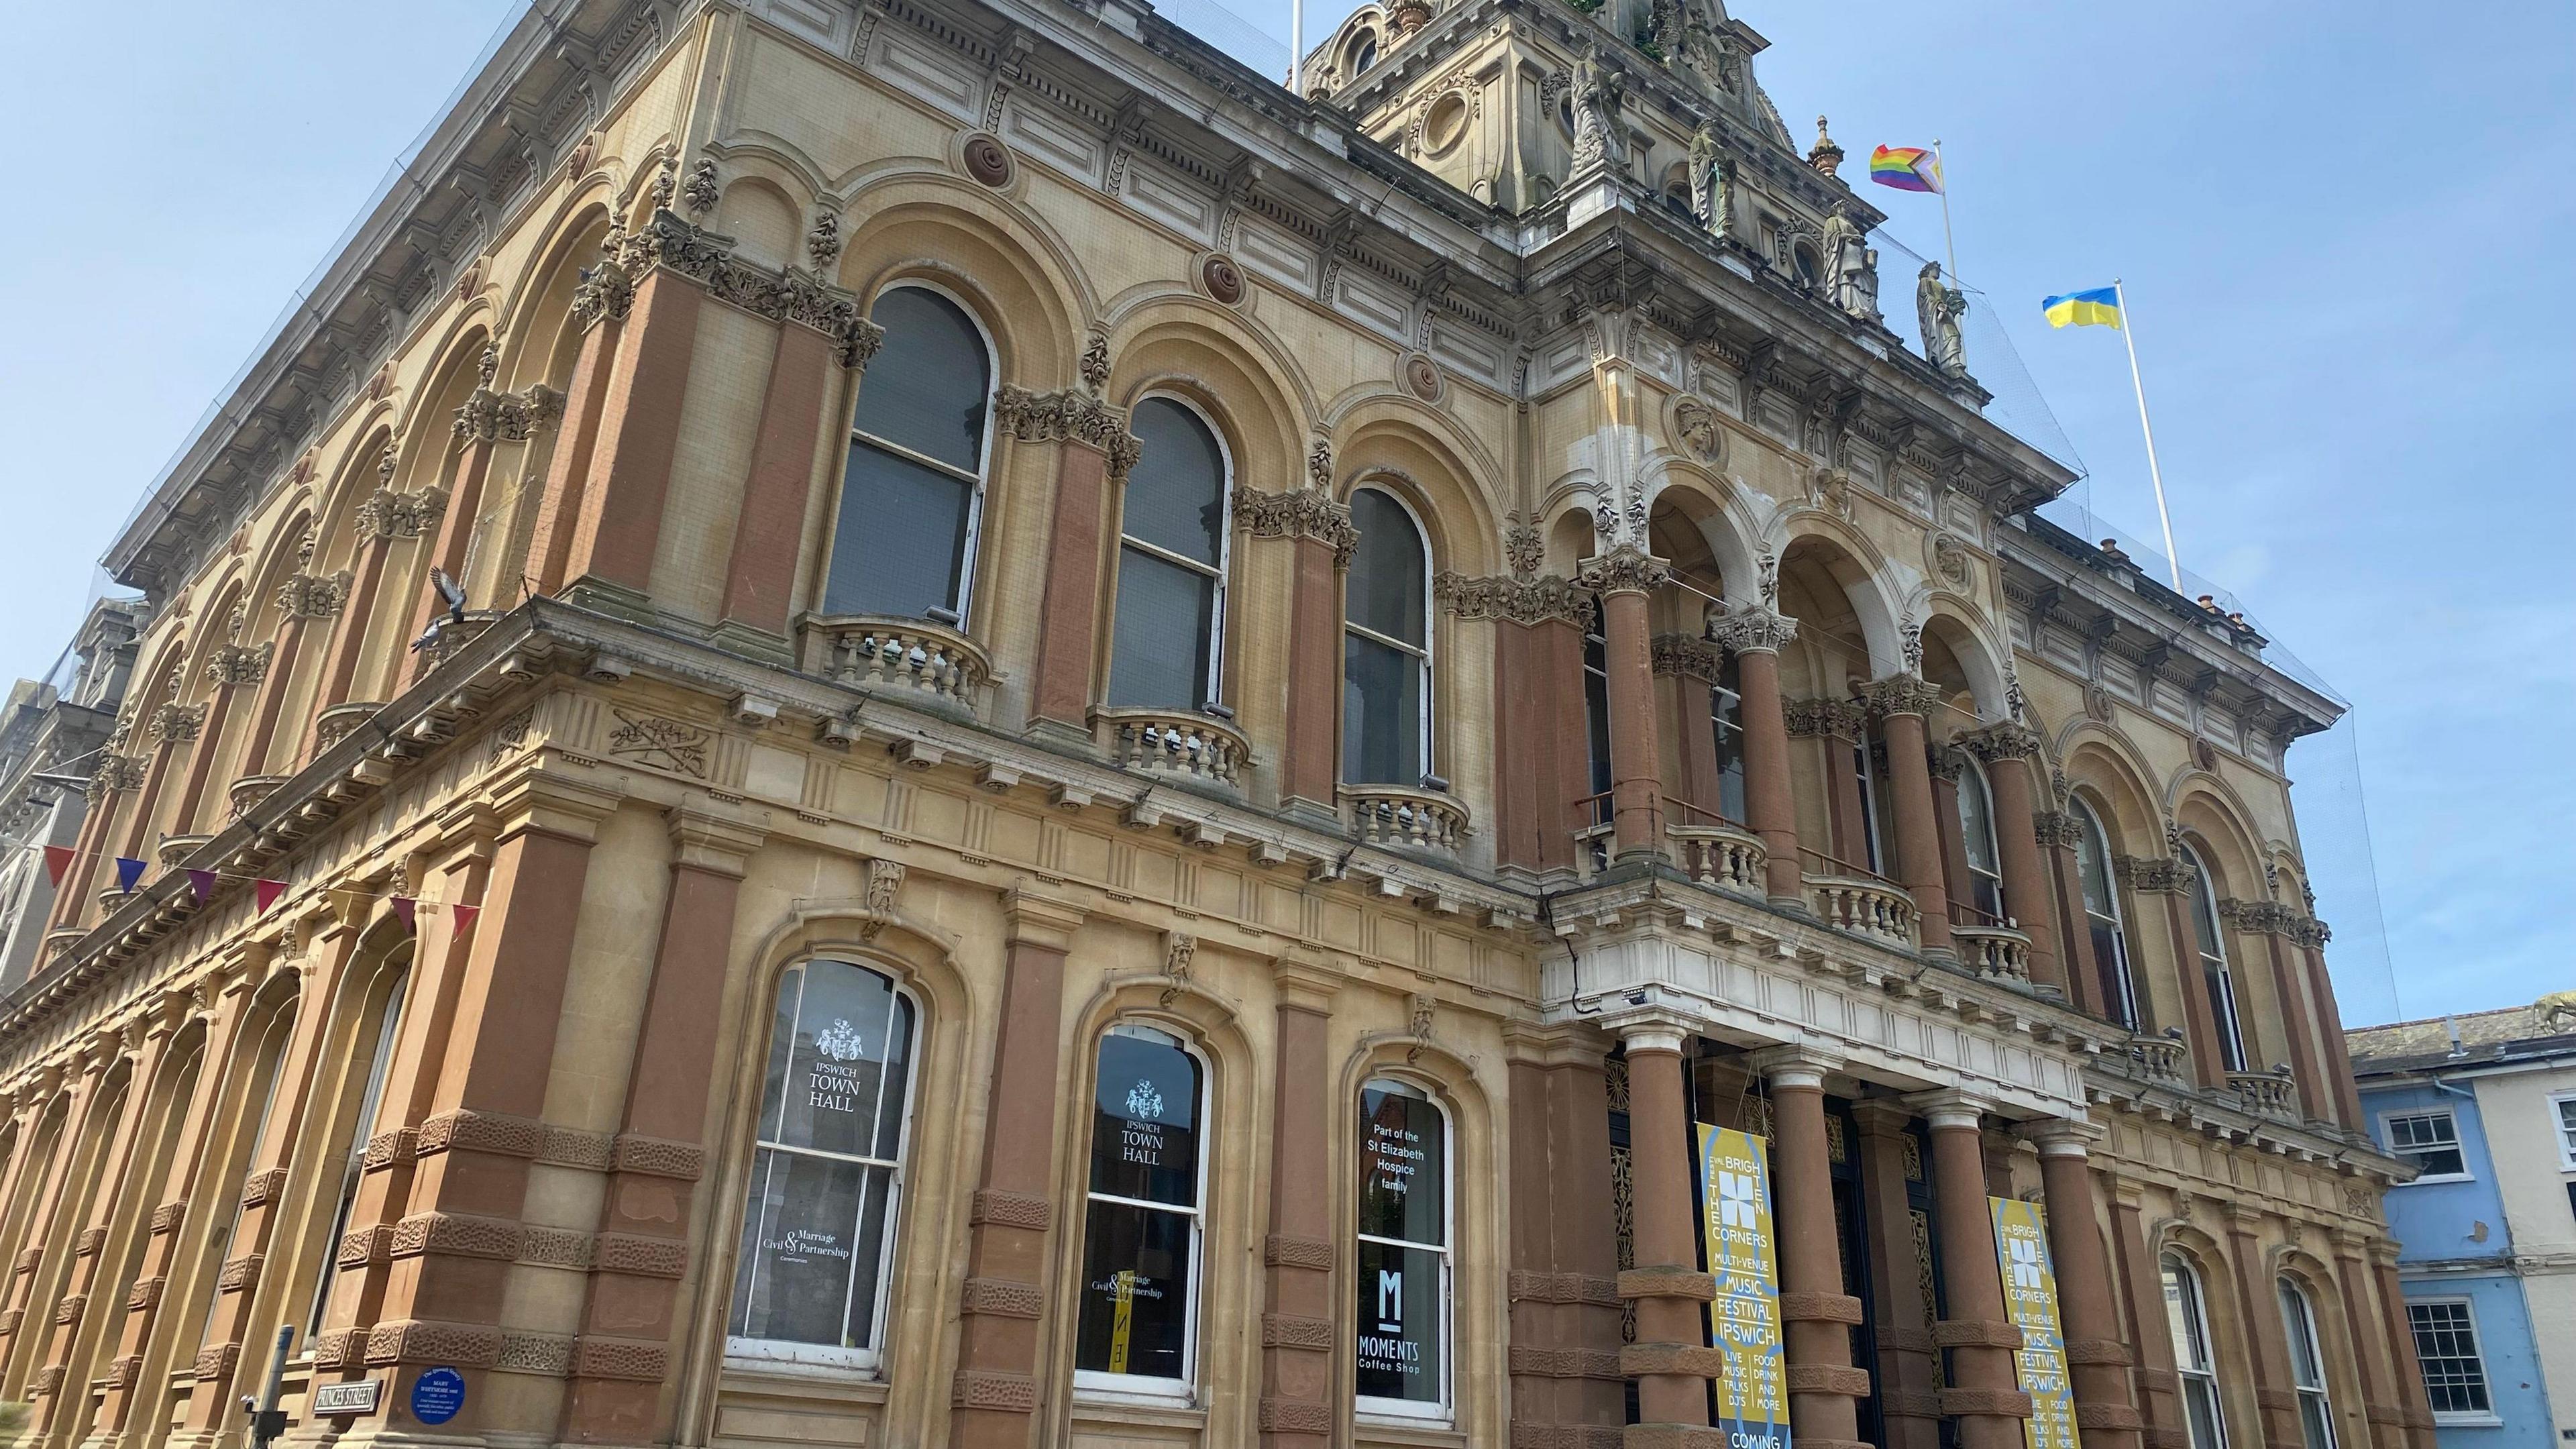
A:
[1124,754]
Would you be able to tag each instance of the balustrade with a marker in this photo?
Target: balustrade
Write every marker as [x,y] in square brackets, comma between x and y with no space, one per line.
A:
[2161,1059]
[249,790]
[871,652]
[337,723]
[1173,742]
[1393,815]
[1721,856]
[2267,1094]
[1998,953]
[1878,909]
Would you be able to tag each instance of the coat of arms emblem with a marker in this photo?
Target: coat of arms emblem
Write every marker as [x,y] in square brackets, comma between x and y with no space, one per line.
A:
[840,1041]
[1143,1101]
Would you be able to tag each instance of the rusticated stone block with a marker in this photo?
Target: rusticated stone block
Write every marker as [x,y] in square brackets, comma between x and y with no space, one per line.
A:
[632,1359]
[1012,1210]
[461,1235]
[2107,1416]
[412,1340]
[656,1157]
[549,1354]
[1531,1287]
[573,1147]
[1975,1333]
[144,1295]
[68,1309]
[240,1275]
[993,1391]
[262,1187]
[1281,1251]
[643,1256]
[1819,1308]
[2001,1403]
[2109,1351]
[1288,1330]
[1667,1282]
[365,1247]
[215,1362]
[1825,1378]
[498,1133]
[1672,1436]
[1002,1298]
[340,1348]
[1295,1416]
[169,1215]
[1689,1360]
[88,1242]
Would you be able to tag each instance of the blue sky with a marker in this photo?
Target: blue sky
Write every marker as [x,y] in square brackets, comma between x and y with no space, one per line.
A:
[2344,227]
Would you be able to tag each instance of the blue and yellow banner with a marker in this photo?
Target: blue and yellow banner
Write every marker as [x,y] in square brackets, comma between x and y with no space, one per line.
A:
[2099,307]
[2030,1301]
[1744,1319]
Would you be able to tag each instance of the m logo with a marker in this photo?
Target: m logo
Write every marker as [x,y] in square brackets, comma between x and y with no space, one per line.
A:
[1390,1301]
[841,1042]
[1737,1207]
[1143,1102]
[2025,1263]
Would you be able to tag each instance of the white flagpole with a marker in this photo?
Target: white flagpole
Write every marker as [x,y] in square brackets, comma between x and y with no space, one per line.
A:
[2128,334]
[1296,45]
[1948,242]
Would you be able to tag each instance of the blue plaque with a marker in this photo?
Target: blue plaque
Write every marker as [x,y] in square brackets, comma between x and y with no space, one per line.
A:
[437,1395]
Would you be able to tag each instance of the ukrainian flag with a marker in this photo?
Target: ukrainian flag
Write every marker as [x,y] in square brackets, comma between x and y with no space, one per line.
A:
[2097,308]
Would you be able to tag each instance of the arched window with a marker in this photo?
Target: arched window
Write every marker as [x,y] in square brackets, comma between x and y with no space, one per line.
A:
[268,1063]
[2102,915]
[1873,805]
[1171,563]
[2307,1367]
[1726,722]
[1977,835]
[1137,1321]
[375,1038]
[1401,1353]
[904,543]
[1596,737]
[1363,53]
[1386,648]
[817,1239]
[2214,972]
[2188,1316]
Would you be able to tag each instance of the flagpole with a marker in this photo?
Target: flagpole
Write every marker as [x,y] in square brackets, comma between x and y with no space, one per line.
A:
[1296,45]
[2129,335]
[1948,242]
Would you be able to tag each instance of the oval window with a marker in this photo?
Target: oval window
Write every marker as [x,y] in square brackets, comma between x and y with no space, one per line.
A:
[1446,125]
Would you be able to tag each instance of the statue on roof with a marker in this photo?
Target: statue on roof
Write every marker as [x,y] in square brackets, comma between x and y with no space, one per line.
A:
[1712,183]
[1598,91]
[1851,264]
[1939,306]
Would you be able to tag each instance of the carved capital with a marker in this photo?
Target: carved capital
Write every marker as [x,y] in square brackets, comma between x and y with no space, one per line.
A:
[1901,694]
[2268,918]
[175,723]
[114,774]
[1753,629]
[2153,875]
[1068,416]
[305,596]
[1518,600]
[1625,569]
[506,417]
[1298,513]
[2056,829]
[2001,742]
[1682,655]
[1840,719]
[232,664]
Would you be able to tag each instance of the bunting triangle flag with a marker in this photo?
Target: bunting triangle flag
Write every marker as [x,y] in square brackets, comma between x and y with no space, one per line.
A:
[58,858]
[405,907]
[461,918]
[267,892]
[203,883]
[127,873]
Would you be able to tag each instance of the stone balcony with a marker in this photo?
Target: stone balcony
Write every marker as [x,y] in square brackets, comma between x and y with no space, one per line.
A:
[1866,906]
[337,723]
[249,790]
[1997,953]
[1394,815]
[927,663]
[1721,856]
[2161,1059]
[2267,1094]
[1184,744]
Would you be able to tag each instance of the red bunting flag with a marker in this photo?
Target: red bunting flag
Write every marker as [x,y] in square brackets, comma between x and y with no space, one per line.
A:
[58,858]
[404,906]
[267,892]
[203,883]
[462,918]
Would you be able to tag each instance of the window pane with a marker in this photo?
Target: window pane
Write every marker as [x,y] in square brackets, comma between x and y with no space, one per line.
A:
[2314,1425]
[1135,1311]
[928,387]
[1176,490]
[798,1248]
[898,1073]
[1144,1130]
[2304,1371]
[901,539]
[782,1042]
[2201,1398]
[1976,821]
[1386,572]
[1403,1163]
[2446,1341]
[2092,861]
[837,1065]
[867,1257]
[2204,916]
[1726,717]
[1165,616]
[2182,1316]
[1400,1338]
[1596,716]
[1381,713]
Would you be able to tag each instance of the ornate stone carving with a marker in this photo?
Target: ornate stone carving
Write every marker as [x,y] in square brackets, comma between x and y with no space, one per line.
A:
[701,192]
[1901,694]
[668,744]
[1523,549]
[987,160]
[174,723]
[466,1130]
[993,1389]
[1625,569]
[1851,265]
[2269,918]
[407,1341]
[1951,561]
[457,1235]
[1002,1298]
[640,1255]
[1298,513]
[2001,742]
[2154,874]
[534,1353]
[1824,718]
[1937,309]
[506,417]
[2056,829]
[885,883]
[1680,654]
[304,596]
[1753,629]
[231,664]
[1518,600]
[1599,91]
[114,774]
[1695,428]
[1068,417]
[1093,365]
[1947,764]
[1012,1210]
[1281,1251]
[1319,464]
[823,240]
[1222,279]
[1829,489]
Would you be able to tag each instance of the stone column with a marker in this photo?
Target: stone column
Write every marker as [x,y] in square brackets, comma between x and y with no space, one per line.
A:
[377,522]
[1839,727]
[1685,673]
[1901,702]
[1566,1386]
[2401,1334]
[2352,1285]
[1623,578]
[1541,765]
[2310,937]
[47,1225]
[1297,1336]
[1755,635]
[1985,1395]
[228,668]
[599,308]
[2011,755]
[642,1251]
[1817,1315]
[994,1396]
[484,420]
[1322,534]
[770,521]
[1907,1369]
[2097,1357]
[1094,451]
[2259,1306]
[2271,923]
[1671,1360]
[114,774]
[2167,881]
[2056,834]
[609,556]
[2142,1285]
[171,726]
[301,600]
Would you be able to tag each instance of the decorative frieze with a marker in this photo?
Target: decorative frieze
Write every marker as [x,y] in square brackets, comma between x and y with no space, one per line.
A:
[1068,416]
[1840,719]
[1625,569]
[1901,694]
[1947,764]
[506,417]
[672,243]
[1685,656]
[1753,629]
[1298,513]
[1518,600]
[114,774]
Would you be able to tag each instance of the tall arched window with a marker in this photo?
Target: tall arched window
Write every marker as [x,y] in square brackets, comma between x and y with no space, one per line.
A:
[1165,648]
[1386,647]
[1137,1320]
[1977,835]
[904,542]
[2307,1367]
[2214,972]
[1873,805]
[1596,737]
[817,1239]
[1726,722]
[1401,1354]
[268,1063]
[2187,1315]
[375,1038]
[2102,915]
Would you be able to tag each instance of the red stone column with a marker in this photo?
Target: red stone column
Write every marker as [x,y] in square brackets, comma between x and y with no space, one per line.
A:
[1322,536]
[1685,671]
[478,432]
[302,600]
[609,557]
[1541,764]
[561,506]
[1623,577]
[230,668]
[1564,1251]
[113,775]
[1902,702]
[1945,765]
[84,1145]
[1670,1360]
[2142,1287]
[1755,636]
[2371,1355]
[1817,1314]
[1840,728]
[1985,1395]
[1907,1367]
[2097,1358]
[377,524]
[2168,881]
[2271,923]
[642,1251]
[771,521]
[2056,833]
[2259,1305]
[31,1165]
[1091,463]
[2310,937]
[2409,1392]
[2011,755]
[1297,1334]
[994,1396]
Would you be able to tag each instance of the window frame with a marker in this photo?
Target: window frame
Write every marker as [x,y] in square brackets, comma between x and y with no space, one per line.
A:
[1973,772]
[971,547]
[1444,1412]
[2302,1327]
[1100,1385]
[775,1354]
[2172,1264]
[2562,1112]
[1224,570]
[1726,730]
[1872,819]
[2229,1020]
[2097,837]
[2468,1324]
[2388,1139]
[1426,654]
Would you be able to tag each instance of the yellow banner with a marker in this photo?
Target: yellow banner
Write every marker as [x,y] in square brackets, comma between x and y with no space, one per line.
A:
[2030,1301]
[1735,1221]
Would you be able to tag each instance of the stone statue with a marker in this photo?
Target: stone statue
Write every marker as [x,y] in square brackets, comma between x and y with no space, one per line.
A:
[1703,176]
[1851,278]
[1599,140]
[1939,307]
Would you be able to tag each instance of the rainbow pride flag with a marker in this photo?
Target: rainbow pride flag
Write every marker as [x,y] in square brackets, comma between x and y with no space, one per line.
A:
[1907,168]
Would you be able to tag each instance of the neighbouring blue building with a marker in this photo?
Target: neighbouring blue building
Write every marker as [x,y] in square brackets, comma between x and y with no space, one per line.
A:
[2480,1104]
